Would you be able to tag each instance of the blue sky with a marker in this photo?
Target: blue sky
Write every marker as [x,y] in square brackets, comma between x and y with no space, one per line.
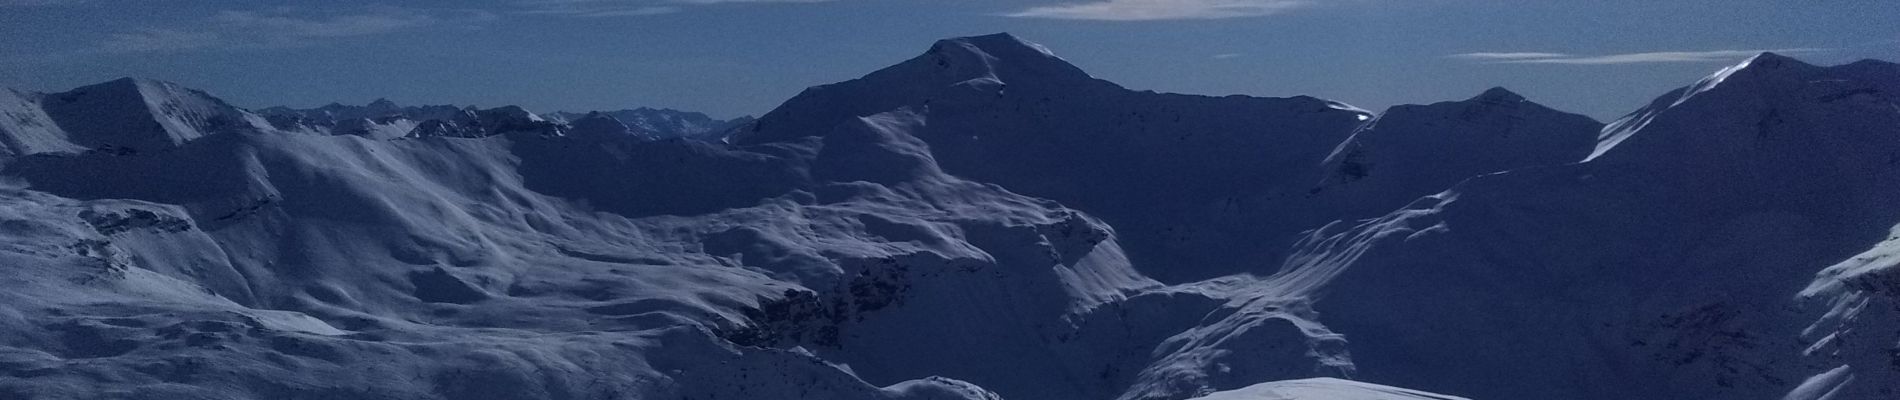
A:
[732,57]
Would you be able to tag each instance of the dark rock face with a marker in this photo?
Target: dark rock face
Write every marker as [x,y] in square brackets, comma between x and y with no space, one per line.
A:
[113,222]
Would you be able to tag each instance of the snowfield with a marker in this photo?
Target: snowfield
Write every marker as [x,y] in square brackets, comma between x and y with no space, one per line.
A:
[983,221]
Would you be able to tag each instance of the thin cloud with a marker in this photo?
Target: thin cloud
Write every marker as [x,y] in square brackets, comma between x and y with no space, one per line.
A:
[748,1]
[151,40]
[35,3]
[1227,56]
[628,8]
[284,27]
[1509,56]
[1158,10]
[1626,58]
[371,23]
[601,11]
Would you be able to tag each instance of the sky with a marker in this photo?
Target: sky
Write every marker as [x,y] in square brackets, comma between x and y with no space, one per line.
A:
[1601,58]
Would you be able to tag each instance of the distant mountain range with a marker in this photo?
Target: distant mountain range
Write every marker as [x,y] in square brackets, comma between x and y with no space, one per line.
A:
[385,119]
[982,221]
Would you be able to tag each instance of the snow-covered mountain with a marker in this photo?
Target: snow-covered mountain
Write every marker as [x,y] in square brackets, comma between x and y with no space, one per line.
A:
[982,221]
[384,119]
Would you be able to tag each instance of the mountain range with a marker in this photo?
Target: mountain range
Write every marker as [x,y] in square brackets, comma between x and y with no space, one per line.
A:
[983,221]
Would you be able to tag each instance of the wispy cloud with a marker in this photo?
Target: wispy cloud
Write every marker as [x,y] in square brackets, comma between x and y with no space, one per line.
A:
[154,39]
[1626,58]
[1227,56]
[1155,10]
[595,8]
[285,27]
[372,23]
[627,8]
[747,1]
[26,3]
[1508,56]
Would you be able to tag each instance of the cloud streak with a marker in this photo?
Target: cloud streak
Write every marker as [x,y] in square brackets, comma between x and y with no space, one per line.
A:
[34,3]
[371,23]
[155,40]
[628,8]
[1625,58]
[1508,56]
[284,27]
[1160,10]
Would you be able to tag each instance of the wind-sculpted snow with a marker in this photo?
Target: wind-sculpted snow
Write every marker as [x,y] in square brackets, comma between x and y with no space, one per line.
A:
[877,239]
[1858,329]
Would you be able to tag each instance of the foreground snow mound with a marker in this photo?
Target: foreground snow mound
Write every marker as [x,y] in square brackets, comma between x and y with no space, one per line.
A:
[1323,389]
[1665,267]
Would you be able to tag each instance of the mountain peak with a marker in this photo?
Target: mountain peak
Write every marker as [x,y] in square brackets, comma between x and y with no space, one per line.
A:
[1771,59]
[972,69]
[127,86]
[1767,84]
[1499,95]
[130,81]
[147,88]
[130,114]
[1001,56]
[1002,42]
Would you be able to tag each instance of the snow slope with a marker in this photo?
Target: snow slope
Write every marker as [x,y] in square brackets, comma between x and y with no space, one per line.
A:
[27,129]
